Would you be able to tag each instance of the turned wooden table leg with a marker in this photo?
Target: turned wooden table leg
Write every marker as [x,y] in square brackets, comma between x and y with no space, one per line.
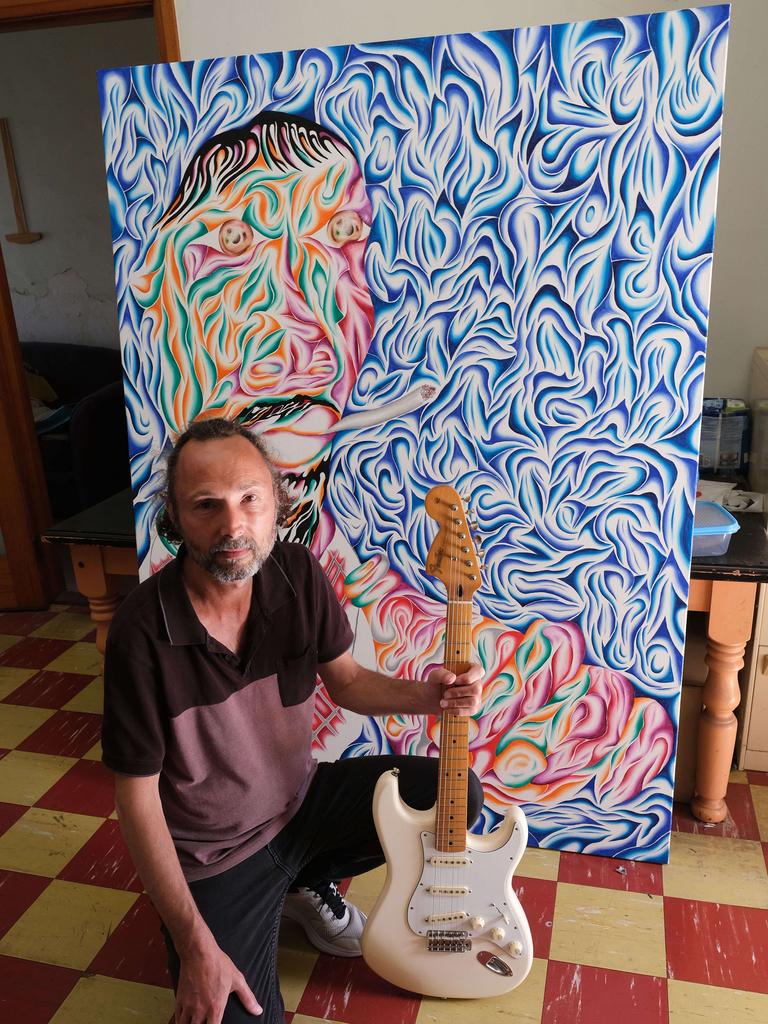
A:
[729,628]
[97,585]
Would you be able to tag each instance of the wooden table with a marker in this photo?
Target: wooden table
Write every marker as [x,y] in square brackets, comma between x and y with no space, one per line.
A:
[102,546]
[101,543]
[726,588]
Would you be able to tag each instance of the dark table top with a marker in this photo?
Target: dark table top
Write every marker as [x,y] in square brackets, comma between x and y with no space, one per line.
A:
[111,522]
[747,554]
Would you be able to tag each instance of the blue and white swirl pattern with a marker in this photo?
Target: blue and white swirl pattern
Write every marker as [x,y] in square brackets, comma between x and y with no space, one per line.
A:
[541,250]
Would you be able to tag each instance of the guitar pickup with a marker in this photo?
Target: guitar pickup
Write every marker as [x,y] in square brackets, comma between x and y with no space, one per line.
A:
[450,862]
[442,941]
[448,890]
[456,915]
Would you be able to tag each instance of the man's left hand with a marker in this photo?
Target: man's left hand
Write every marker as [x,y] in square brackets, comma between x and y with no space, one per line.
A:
[458,695]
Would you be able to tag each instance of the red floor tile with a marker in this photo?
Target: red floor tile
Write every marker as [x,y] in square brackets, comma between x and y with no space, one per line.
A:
[765,853]
[65,734]
[17,893]
[135,951]
[103,860]
[575,993]
[49,689]
[22,623]
[10,813]
[758,778]
[30,992]
[610,873]
[347,990]
[537,896]
[716,944]
[87,788]
[34,652]
[741,822]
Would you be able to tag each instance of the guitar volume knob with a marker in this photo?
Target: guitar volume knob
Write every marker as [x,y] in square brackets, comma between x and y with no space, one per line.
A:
[477,923]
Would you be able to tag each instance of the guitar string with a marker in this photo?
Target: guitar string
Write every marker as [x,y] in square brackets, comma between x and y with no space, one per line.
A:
[453,873]
[454,611]
[451,734]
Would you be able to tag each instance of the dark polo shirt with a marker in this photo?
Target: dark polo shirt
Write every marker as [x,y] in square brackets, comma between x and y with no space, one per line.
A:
[230,737]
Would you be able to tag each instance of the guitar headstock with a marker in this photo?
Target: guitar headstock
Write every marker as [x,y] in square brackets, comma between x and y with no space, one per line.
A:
[452,557]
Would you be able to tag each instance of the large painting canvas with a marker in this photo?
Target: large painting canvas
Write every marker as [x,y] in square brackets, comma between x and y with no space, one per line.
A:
[479,259]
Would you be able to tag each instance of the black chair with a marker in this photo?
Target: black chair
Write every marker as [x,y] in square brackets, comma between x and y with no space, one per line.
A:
[86,459]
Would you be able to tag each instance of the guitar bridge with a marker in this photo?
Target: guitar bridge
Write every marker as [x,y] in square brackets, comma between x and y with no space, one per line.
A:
[445,941]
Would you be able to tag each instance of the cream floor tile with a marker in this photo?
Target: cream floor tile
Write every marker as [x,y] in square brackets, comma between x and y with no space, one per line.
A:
[524,1005]
[364,889]
[94,754]
[90,698]
[67,925]
[737,776]
[706,1004]
[302,1018]
[12,678]
[97,999]
[760,803]
[25,777]
[80,657]
[7,641]
[295,963]
[539,864]
[622,931]
[16,723]
[43,842]
[66,626]
[716,870]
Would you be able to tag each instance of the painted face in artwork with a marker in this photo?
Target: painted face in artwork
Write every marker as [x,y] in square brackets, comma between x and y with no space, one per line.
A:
[255,295]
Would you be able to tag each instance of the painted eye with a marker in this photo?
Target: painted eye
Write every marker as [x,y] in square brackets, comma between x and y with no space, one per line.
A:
[345,226]
[235,236]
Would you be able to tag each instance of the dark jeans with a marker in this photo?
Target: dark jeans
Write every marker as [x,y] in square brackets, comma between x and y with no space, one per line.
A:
[332,836]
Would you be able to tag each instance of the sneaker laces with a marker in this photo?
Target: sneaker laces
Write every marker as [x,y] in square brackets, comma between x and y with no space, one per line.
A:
[330,897]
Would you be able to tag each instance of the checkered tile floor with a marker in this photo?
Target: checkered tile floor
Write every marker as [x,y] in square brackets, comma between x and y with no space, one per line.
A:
[79,941]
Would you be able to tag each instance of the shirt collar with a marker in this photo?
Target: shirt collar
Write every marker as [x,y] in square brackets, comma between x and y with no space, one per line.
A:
[271,590]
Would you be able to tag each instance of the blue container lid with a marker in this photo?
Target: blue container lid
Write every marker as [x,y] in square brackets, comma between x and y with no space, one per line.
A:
[711,518]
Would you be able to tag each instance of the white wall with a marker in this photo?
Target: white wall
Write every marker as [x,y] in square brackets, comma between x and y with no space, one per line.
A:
[739,307]
[63,287]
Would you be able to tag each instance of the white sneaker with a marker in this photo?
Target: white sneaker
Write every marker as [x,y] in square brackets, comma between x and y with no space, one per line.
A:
[331,924]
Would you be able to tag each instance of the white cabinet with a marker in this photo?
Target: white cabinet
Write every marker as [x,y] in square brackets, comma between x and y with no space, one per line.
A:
[752,740]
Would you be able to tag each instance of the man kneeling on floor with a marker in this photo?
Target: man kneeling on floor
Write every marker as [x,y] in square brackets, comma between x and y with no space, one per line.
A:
[209,679]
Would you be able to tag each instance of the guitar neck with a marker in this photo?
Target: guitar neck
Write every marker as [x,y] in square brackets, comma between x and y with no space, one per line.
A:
[451,817]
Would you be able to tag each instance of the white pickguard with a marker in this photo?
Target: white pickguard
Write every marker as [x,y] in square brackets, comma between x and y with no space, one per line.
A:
[396,941]
[469,894]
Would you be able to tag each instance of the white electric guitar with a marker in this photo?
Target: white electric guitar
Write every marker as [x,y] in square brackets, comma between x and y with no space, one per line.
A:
[447,922]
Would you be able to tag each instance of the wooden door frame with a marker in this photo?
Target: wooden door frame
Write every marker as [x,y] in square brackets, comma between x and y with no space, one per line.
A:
[29,572]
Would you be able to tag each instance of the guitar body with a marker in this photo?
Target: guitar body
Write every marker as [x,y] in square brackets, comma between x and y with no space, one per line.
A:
[476,901]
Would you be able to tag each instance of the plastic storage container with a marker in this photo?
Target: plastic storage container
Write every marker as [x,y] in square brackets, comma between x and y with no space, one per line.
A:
[713,527]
